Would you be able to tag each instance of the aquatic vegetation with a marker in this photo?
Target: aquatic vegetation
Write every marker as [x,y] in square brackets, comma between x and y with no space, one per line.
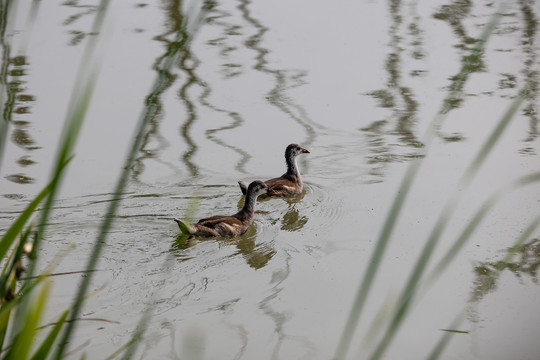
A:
[415,281]
[307,229]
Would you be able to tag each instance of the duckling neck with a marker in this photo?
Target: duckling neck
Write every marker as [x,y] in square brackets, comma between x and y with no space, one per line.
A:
[249,205]
[292,169]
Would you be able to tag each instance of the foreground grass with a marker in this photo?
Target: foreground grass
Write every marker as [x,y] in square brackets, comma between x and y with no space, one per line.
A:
[23,301]
[416,280]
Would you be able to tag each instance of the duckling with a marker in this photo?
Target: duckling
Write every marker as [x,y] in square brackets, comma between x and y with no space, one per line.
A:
[227,226]
[289,183]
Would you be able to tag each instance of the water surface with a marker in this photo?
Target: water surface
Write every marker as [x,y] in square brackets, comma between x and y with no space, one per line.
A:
[356,83]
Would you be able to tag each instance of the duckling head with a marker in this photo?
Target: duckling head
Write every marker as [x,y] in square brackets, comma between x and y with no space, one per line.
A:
[257,188]
[294,150]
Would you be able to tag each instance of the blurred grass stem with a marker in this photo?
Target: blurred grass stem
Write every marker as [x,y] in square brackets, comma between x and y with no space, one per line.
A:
[151,109]
[399,200]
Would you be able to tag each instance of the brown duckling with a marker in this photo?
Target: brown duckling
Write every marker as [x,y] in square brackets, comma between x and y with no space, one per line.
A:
[289,183]
[227,226]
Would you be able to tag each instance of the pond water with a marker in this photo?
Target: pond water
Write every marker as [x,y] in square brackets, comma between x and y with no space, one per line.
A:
[355,82]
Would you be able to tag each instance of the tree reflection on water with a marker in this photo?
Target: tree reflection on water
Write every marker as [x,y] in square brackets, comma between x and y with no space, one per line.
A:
[487,273]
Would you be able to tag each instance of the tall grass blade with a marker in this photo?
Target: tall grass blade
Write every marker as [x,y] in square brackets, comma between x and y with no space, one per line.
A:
[425,255]
[17,227]
[521,240]
[28,287]
[399,200]
[45,349]
[4,323]
[20,329]
[137,336]
[454,331]
[25,337]
[445,339]
[80,100]
[447,336]
[161,83]
[475,221]
[32,15]
[73,126]
[369,276]
[13,268]
[119,351]
[7,241]
[78,106]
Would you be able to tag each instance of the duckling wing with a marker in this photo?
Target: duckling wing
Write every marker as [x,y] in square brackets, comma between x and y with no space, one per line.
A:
[282,186]
[214,222]
[212,219]
[231,227]
[223,225]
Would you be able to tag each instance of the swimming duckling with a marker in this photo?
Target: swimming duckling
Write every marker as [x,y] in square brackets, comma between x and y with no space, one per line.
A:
[289,183]
[227,226]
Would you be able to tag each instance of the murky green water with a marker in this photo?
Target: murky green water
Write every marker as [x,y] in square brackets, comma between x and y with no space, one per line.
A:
[356,83]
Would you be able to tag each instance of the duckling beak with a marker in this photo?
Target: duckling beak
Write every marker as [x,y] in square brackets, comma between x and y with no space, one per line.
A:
[305,151]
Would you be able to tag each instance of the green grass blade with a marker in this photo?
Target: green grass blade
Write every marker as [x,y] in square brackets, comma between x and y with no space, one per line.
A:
[399,200]
[79,103]
[78,107]
[73,126]
[494,137]
[447,336]
[7,242]
[27,286]
[475,221]
[4,323]
[17,227]
[445,339]
[369,276]
[137,336]
[152,105]
[45,348]
[22,344]
[425,255]
[26,290]
[454,331]
[67,144]
[11,271]
[522,239]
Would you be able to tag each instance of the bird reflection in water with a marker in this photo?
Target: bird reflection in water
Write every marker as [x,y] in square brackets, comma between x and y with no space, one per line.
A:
[256,255]
[291,219]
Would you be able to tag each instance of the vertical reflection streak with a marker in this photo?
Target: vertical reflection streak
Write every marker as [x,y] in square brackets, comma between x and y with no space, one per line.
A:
[191,110]
[280,318]
[237,122]
[82,11]
[204,98]
[178,23]
[4,92]
[454,14]
[189,63]
[396,96]
[277,96]
[530,70]
[13,101]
